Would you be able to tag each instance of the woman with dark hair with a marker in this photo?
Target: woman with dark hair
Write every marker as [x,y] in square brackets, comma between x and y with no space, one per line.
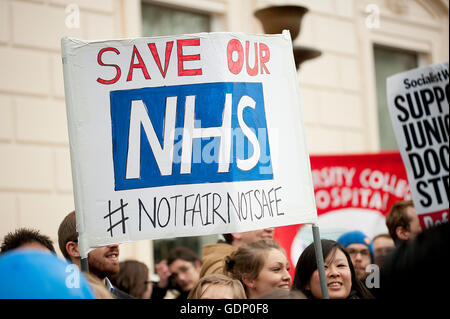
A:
[133,278]
[340,275]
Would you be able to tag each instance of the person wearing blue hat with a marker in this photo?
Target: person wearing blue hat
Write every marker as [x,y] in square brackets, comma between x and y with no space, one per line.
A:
[36,274]
[360,248]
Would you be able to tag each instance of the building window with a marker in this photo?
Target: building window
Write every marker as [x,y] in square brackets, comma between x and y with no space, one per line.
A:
[159,20]
[389,61]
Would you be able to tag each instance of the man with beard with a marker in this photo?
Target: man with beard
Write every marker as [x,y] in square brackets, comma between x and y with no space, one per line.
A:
[103,261]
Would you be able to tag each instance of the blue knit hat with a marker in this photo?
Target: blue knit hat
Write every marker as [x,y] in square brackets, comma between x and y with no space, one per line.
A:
[357,237]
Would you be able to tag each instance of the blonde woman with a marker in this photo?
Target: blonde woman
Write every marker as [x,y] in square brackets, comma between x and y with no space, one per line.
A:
[261,266]
[217,286]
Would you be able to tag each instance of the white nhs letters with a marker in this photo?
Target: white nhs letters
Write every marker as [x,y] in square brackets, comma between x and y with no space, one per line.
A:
[189,133]
[164,155]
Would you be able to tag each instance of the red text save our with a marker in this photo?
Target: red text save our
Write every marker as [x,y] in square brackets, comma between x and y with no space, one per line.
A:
[236,56]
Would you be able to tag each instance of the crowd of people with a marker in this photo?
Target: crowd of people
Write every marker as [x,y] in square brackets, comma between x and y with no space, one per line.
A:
[248,265]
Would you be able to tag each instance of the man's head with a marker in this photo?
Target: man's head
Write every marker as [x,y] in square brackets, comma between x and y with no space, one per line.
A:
[26,238]
[383,245]
[103,261]
[402,221]
[68,238]
[239,239]
[185,265]
[360,249]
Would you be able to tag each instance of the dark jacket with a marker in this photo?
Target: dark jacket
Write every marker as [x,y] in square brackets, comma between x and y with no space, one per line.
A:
[418,268]
[119,294]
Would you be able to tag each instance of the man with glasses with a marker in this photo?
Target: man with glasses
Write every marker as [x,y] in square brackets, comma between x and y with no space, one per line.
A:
[360,248]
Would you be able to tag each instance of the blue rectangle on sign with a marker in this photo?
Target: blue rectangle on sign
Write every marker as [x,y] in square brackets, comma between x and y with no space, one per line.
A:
[189,134]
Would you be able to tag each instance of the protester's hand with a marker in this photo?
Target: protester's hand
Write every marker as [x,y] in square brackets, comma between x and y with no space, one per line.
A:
[164,273]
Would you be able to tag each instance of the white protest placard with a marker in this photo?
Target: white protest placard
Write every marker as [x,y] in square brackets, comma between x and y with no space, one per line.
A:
[185,135]
[418,102]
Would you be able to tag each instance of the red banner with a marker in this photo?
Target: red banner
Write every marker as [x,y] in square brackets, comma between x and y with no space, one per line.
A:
[352,192]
